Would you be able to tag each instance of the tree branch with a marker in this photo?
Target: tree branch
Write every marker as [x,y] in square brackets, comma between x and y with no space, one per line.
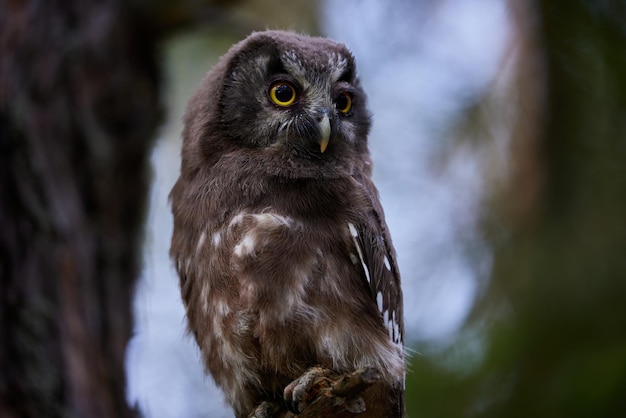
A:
[338,396]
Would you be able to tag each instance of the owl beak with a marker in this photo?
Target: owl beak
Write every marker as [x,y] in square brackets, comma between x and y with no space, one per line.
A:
[325,131]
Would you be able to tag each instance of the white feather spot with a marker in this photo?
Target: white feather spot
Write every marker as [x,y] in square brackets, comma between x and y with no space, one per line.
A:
[367,273]
[353,231]
[354,258]
[236,219]
[379,301]
[217,327]
[389,319]
[355,235]
[272,219]
[246,246]
[217,238]
[200,241]
[386,260]
[222,308]
[398,337]
[204,297]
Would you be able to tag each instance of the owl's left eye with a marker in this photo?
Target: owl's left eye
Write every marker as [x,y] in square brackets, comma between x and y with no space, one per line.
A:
[343,102]
[283,93]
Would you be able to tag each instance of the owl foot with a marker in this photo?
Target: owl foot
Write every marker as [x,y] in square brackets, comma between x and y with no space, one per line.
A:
[265,410]
[299,393]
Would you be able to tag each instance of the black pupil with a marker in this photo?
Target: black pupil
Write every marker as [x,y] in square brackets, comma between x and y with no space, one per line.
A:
[284,93]
[341,102]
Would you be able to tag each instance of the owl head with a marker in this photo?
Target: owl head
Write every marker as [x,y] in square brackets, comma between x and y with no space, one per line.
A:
[294,100]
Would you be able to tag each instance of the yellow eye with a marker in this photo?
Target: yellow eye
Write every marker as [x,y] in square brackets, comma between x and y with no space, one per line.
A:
[343,102]
[283,93]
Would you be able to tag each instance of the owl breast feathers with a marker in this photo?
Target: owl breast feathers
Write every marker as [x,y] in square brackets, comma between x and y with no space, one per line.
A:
[280,242]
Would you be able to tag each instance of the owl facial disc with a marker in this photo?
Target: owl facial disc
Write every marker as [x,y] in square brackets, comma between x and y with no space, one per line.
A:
[325,131]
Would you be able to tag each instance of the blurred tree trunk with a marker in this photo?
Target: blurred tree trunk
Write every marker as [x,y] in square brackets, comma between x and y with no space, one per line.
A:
[79,107]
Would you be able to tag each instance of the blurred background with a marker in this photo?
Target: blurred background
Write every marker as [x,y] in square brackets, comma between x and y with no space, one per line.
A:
[498,145]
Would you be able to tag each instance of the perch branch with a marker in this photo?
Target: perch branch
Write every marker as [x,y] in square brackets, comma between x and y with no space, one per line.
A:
[341,396]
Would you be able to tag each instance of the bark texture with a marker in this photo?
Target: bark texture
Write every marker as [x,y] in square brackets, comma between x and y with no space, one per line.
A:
[78,111]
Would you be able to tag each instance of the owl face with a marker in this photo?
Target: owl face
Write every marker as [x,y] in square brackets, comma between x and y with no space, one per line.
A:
[298,96]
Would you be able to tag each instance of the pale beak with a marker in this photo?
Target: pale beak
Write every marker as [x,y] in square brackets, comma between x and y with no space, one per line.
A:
[325,131]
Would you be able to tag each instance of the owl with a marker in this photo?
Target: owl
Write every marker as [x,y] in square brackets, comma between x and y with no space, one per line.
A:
[285,261]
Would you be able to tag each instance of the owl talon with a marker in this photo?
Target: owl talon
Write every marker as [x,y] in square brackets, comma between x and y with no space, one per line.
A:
[265,410]
[299,393]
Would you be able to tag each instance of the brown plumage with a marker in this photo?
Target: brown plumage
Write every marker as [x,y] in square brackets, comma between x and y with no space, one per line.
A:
[280,242]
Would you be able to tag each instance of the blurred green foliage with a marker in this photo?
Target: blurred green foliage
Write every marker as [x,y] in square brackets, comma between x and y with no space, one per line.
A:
[551,329]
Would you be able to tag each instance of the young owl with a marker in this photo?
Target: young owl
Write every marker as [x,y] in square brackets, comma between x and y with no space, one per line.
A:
[280,241]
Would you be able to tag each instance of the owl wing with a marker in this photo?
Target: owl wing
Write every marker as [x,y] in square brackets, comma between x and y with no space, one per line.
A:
[378,260]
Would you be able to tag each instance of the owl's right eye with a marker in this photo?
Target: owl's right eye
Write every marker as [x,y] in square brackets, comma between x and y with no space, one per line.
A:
[282,93]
